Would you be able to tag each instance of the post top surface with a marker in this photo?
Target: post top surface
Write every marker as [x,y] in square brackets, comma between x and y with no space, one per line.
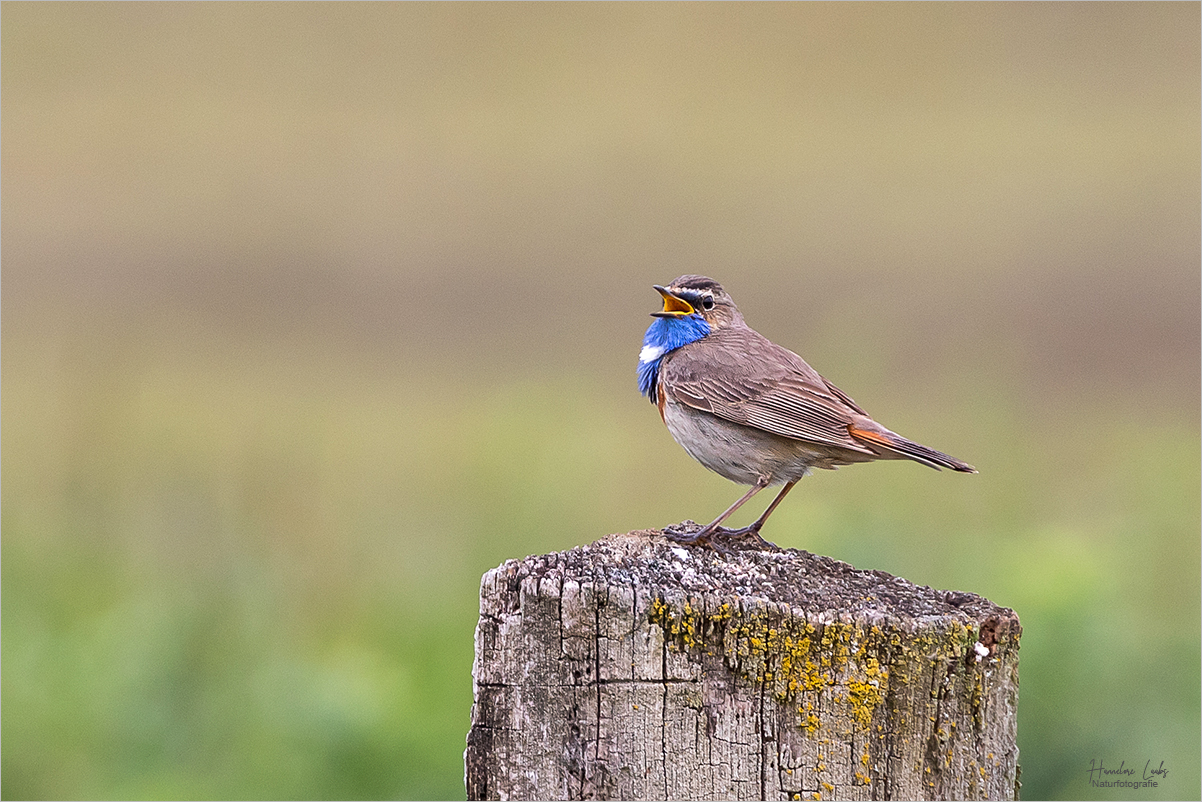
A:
[813,585]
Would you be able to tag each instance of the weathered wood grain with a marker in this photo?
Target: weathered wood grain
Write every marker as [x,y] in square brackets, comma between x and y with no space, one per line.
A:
[633,668]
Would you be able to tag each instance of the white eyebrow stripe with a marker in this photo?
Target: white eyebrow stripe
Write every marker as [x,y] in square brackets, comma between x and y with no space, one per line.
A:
[650,353]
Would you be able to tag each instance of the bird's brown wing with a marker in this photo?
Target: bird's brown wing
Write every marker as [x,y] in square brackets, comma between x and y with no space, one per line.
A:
[741,376]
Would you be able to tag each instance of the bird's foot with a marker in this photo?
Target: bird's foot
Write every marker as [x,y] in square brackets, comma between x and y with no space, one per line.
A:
[688,533]
[750,535]
[718,538]
[747,536]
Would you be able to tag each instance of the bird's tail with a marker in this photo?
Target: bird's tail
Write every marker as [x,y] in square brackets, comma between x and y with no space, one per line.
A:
[895,443]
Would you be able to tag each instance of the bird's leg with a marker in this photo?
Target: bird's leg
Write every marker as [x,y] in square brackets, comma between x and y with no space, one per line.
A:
[704,534]
[754,529]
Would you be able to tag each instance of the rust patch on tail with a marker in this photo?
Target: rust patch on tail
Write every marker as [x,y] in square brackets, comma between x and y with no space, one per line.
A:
[872,437]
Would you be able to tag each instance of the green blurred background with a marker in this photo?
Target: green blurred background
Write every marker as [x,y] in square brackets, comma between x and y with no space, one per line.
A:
[314,313]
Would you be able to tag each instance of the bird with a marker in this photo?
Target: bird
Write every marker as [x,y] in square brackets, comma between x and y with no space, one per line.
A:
[750,410]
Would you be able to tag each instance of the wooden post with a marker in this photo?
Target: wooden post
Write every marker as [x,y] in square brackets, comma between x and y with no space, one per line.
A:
[633,668]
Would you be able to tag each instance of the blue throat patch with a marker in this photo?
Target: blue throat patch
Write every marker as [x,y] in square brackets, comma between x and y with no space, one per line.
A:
[664,335]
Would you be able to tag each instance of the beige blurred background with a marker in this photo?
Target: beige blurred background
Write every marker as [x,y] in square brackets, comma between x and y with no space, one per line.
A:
[312,313]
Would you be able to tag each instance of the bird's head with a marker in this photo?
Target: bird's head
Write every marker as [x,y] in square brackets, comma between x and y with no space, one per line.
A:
[694,306]
[700,296]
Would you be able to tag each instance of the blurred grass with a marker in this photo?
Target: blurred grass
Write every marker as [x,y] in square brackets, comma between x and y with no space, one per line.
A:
[314,313]
[235,578]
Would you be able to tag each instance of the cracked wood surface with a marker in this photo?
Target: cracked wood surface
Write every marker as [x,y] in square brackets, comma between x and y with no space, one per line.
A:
[634,668]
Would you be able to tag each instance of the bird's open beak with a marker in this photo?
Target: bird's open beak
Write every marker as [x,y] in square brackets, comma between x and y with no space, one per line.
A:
[673,306]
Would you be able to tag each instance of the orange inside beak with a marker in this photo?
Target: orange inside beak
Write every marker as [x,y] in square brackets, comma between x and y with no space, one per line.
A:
[673,306]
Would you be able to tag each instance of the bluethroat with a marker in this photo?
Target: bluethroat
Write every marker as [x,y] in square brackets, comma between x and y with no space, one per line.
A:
[750,410]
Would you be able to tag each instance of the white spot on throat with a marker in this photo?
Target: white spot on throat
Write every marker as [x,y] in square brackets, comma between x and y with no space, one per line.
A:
[650,353]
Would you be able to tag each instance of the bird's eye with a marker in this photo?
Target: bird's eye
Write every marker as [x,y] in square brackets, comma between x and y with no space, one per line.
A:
[707,302]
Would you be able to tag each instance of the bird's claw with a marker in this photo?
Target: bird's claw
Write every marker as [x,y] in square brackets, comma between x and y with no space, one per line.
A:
[719,538]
